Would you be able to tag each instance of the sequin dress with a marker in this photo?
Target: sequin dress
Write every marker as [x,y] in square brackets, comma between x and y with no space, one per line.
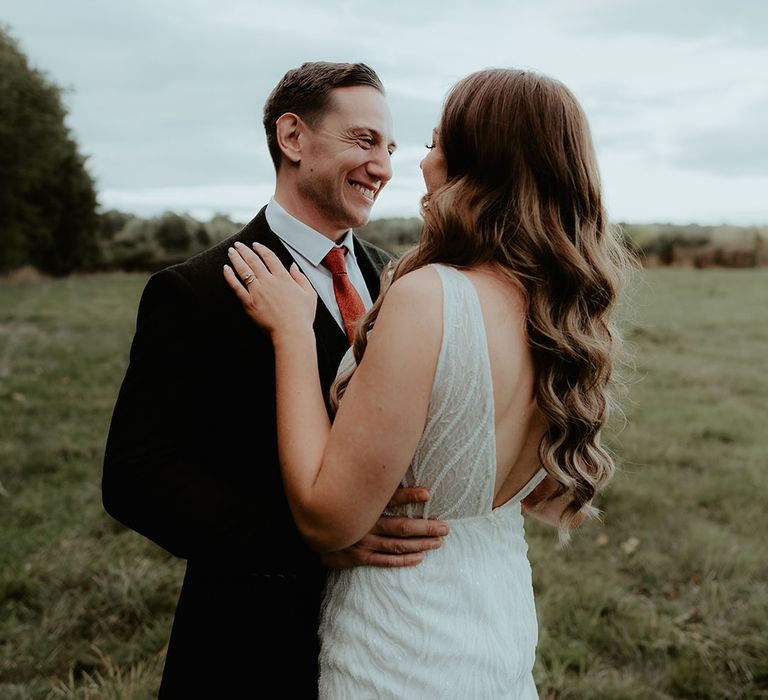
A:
[462,624]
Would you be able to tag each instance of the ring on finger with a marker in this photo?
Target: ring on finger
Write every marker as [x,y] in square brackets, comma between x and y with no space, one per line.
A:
[248,279]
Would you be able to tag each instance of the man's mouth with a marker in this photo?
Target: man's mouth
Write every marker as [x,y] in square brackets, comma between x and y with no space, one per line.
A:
[367,192]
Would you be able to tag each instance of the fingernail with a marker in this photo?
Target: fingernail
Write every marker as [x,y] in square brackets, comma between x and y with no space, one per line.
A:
[437,544]
[237,243]
[442,530]
[231,250]
[255,244]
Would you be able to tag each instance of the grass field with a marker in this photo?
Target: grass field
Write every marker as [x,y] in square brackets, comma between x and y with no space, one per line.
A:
[667,599]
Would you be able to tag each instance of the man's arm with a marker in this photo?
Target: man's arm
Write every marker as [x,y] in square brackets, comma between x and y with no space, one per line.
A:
[159,478]
[394,541]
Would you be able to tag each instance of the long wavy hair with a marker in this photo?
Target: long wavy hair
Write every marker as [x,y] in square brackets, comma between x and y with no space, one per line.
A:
[523,195]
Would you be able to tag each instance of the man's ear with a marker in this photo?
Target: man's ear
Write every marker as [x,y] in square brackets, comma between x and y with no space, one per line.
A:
[289,127]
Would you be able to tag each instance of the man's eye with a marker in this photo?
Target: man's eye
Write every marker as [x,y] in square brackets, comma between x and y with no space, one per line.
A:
[367,141]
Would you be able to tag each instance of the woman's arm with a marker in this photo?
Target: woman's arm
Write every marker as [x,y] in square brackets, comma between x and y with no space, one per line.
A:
[339,479]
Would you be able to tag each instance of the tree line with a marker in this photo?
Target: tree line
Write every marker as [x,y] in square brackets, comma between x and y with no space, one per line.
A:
[128,242]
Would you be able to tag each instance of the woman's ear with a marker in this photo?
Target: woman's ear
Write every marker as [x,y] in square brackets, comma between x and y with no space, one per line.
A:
[288,128]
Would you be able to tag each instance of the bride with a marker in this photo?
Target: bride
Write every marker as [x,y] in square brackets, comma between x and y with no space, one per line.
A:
[482,373]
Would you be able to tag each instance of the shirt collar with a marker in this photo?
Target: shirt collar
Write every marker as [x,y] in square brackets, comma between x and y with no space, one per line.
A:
[314,246]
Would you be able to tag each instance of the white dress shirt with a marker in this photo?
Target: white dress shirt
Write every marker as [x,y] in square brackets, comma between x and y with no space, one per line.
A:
[308,248]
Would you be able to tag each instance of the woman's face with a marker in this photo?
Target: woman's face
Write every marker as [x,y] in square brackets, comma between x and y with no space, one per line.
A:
[433,166]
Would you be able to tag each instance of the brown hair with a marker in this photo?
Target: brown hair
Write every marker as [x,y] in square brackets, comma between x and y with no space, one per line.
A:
[305,91]
[523,194]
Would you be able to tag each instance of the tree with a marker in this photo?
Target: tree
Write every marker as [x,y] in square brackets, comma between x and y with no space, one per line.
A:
[111,222]
[47,197]
[172,233]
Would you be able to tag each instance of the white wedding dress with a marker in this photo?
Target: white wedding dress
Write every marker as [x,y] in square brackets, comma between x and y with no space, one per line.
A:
[462,624]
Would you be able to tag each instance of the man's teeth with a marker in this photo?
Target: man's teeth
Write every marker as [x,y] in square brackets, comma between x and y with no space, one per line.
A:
[363,190]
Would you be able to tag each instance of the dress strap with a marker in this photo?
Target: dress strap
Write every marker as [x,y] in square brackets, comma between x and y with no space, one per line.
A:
[535,480]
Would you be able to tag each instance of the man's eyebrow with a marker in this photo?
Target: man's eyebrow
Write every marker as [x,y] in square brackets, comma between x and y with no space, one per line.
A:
[373,132]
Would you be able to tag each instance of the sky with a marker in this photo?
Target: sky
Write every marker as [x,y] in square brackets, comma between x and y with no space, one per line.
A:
[165,96]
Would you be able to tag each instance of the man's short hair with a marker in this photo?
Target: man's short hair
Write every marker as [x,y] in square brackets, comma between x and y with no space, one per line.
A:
[305,91]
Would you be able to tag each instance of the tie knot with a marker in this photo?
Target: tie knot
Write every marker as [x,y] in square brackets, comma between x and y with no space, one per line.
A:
[334,260]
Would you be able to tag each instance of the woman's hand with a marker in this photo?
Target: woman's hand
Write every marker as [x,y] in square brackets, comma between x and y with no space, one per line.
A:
[281,301]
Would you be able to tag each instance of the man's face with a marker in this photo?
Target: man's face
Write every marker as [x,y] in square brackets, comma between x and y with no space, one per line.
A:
[345,159]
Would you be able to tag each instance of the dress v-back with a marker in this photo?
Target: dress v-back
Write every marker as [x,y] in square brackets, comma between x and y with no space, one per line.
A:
[462,623]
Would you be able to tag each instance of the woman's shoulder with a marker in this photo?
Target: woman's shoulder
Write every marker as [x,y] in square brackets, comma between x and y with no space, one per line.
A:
[419,286]
[414,301]
[422,289]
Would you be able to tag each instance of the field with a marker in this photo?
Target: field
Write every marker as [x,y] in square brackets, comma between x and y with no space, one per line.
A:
[668,598]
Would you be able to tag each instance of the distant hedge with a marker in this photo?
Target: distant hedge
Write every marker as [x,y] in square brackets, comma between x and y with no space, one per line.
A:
[128,242]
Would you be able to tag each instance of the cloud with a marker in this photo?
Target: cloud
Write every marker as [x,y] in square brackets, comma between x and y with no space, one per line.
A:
[736,149]
[240,201]
[735,23]
[168,95]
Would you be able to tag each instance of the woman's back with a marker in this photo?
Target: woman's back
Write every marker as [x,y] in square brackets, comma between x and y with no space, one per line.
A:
[519,425]
[462,623]
[480,444]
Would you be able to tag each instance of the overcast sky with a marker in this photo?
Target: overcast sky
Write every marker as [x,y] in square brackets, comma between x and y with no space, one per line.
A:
[166,95]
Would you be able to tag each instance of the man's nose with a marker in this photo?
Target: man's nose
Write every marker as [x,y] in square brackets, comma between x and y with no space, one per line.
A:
[380,167]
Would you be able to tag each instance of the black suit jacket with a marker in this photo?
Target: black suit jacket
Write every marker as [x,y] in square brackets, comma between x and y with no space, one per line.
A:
[191,463]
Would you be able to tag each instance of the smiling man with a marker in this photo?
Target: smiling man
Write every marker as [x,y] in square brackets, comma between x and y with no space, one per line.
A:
[191,459]
[334,159]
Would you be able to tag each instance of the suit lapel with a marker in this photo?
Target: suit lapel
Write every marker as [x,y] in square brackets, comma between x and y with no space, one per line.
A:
[258,230]
[371,269]
[331,341]
[330,338]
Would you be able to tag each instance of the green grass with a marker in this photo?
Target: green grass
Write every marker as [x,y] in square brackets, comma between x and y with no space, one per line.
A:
[684,614]
[86,606]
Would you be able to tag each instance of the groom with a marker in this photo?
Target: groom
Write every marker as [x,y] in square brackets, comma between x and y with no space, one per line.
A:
[191,459]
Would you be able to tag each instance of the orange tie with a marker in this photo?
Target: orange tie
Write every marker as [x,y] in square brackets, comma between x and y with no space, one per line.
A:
[349,301]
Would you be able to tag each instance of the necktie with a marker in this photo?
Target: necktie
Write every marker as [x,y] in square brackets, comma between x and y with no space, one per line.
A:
[349,301]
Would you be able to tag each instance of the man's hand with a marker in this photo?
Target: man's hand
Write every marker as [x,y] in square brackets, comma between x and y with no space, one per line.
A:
[393,541]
